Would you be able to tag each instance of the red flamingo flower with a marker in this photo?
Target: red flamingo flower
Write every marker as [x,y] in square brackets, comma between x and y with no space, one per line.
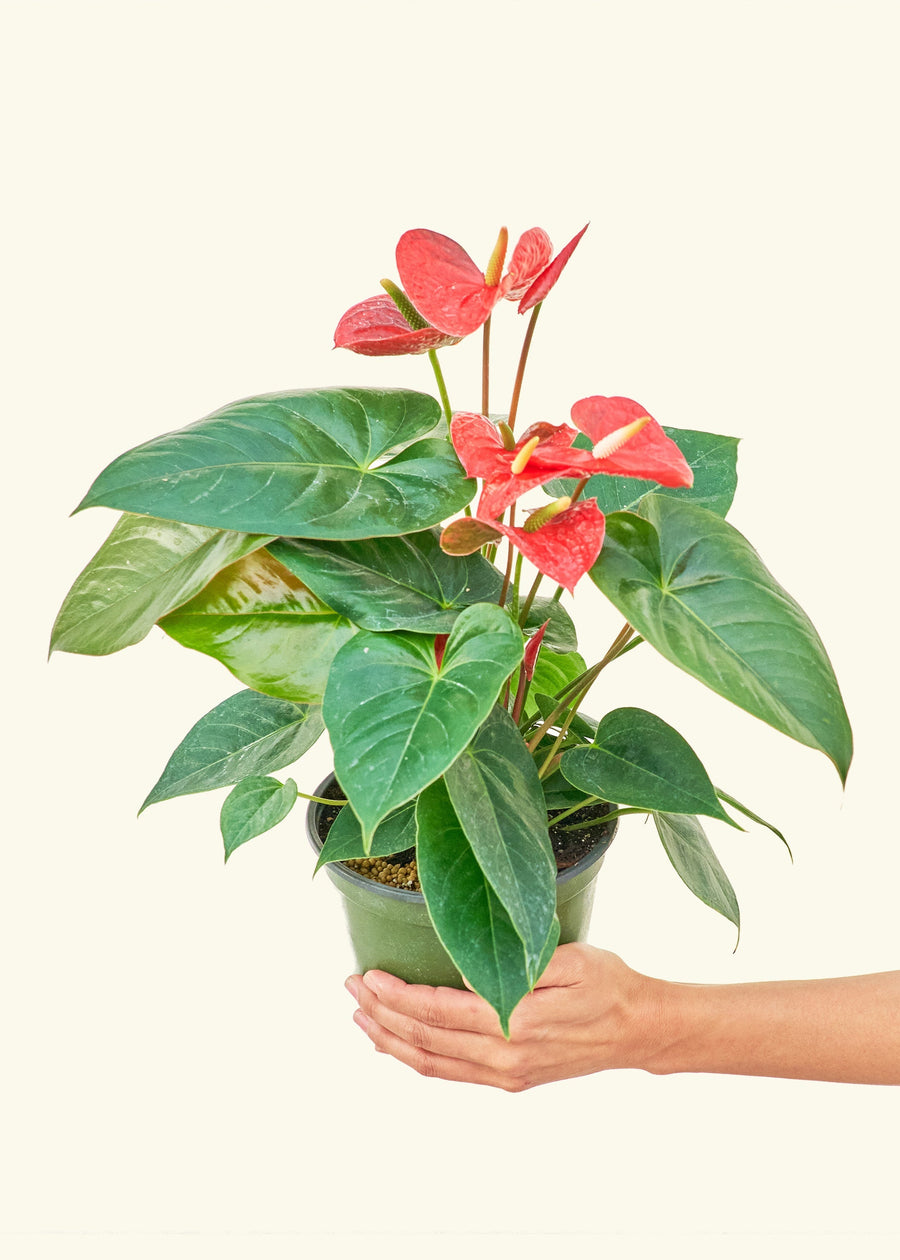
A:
[545,451]
[449,290]
[377,327]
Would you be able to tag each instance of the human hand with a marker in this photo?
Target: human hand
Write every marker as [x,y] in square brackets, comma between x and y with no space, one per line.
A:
[588,1012]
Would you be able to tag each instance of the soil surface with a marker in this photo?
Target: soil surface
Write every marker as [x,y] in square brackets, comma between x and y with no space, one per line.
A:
[570,843]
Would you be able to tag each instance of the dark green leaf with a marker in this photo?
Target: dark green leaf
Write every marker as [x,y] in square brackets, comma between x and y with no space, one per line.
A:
[265,626]
[638,759]
[467,915]
[560,634]
[145,568]
[554,670]
[247,734]
[684,840]
[748,813]
[712,457]
[395,834]
[256,805]
[397,722]
[698,592]
[583,727]
[314,464]
[497,797]
[404,583]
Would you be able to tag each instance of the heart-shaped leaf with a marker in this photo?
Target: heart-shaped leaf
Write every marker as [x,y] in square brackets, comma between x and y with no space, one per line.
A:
[397,720]
[638,759]
[247,734]
[329,463]
[554,670]
[145,568]
[345,840]
[265,626]
[470,920]
[698,592]
[690,852]
[497,797]
[256,805]
[560,634]
[404,583]
[713,461]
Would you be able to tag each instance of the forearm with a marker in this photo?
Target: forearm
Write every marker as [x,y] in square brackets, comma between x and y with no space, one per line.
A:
[844,1029]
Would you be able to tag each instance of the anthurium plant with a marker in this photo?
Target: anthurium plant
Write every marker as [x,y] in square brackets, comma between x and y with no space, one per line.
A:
[365,562]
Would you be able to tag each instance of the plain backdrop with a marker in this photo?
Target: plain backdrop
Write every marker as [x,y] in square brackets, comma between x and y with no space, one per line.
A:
[195,192]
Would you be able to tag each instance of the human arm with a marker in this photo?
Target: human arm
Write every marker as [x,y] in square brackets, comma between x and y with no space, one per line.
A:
[591,1012]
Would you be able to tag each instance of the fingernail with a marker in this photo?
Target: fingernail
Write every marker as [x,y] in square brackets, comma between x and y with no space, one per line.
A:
[361,1020]
[373,981]
[351,984]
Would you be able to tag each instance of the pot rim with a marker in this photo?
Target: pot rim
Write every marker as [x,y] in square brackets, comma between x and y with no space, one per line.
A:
[341,871]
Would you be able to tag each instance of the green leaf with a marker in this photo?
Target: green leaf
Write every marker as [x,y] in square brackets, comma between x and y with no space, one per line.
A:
[315,463]
[554,670]
[712,457]
[467,915]
[145,568]
[404,583]
[397,722]
[345,839]
[264,625]
[256,805]
[698,592]
[560,635]
[585,728]
[638,759]
[748,813]
[684,840]
[497,797]
[559,792]
[247,734]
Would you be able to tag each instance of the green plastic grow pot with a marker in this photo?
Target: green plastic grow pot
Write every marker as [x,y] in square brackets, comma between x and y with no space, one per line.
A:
[390,929]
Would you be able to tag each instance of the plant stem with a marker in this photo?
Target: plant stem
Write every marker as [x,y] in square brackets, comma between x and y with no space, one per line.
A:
[557,594]
[517,578]
[321,800]
[485,365]
[521,695]
[529,599]
[520,373]
[576,493]
[509,561]
[442,387]
[596,822]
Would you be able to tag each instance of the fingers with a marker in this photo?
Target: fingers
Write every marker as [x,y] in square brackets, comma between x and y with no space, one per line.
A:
[414,1024]
[426,1062]
[459,1009]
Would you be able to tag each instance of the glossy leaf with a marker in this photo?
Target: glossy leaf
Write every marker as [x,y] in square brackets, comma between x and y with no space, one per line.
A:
[266,627]
[560,635]
[247,734]
[690,852]
[748,813]
[256,805]
[713,461]
[698,592]
[144,569]
[345,839]
[638,759]
[405,583]
[467,915]
[397,721]
[497,797]
[316,464]
[554,670]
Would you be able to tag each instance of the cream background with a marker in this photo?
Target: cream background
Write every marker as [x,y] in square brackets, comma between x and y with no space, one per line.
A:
[197,192]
